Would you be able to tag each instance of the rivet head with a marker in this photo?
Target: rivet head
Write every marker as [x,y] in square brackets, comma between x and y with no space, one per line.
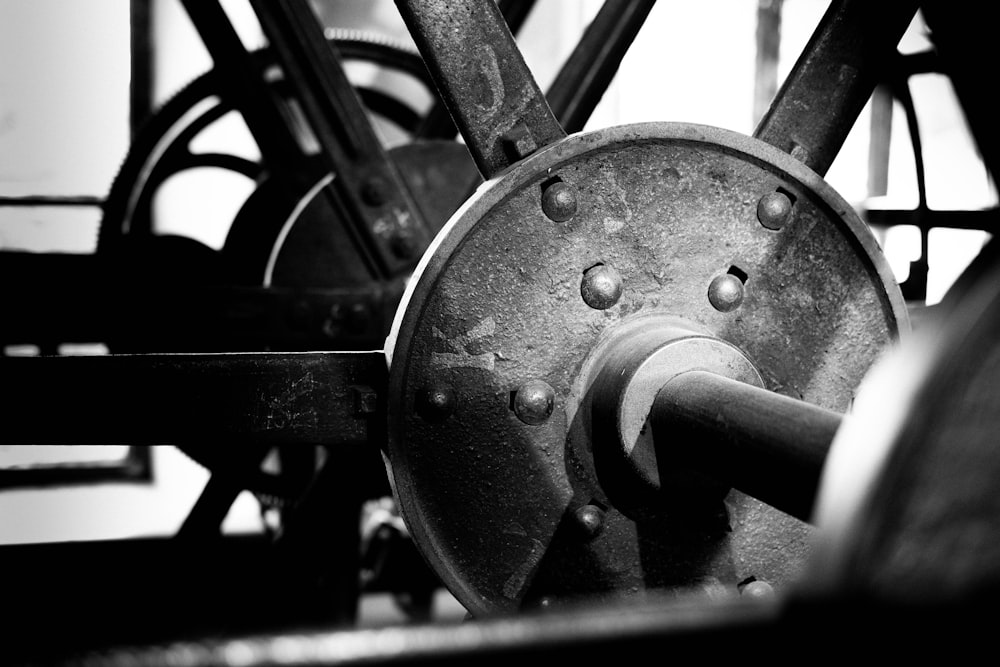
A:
[375,191]
[773,210]
[758,589]
[559,202]
[590,520]
[725,293]
[437,402]
[365,400]
[534,402]
[403,245]
[601,286]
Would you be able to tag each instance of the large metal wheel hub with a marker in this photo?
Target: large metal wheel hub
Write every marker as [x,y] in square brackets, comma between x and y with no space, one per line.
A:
[494,352]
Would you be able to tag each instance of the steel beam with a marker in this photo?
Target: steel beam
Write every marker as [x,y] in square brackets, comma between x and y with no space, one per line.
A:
[230,399]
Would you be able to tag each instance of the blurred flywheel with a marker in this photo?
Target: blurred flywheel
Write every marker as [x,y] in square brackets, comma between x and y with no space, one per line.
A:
[549,310]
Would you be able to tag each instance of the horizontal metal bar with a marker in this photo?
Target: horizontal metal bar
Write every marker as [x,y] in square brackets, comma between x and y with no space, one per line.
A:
[230,399]
[769,446]
[48,299]
[928,219]
[52,200]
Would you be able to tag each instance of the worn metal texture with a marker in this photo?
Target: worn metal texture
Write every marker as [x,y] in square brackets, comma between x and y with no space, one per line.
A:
[483,79]
[849,53]
[497,303]
[194,400]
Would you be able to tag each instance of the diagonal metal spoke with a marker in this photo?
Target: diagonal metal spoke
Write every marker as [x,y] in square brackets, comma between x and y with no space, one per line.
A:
[588,71]
[438,123]
[483,79]
[384,218]
[848,54]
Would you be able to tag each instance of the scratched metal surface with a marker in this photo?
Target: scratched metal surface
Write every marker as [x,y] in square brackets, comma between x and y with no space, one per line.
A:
[490,499]
[195,400]
[482,78]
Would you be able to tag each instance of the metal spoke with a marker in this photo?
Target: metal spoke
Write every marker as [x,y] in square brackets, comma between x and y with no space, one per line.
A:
[847,55]
[483,79]
[594,62]
[383,216]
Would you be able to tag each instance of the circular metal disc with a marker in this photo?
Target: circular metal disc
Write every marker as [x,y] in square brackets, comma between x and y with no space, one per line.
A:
[498,303]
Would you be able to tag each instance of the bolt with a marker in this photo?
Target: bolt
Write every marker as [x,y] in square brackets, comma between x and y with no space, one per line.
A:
[601,287]
[437,402]
[518,142]
[559,202]
[590,520]
[773,210]
[534,401]
[403,245]
[375,191]
[758,589]
[365,400]
[725,293]
[800,153]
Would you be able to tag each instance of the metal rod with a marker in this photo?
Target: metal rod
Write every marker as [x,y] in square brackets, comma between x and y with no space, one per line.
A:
[588,71]
[482,77]
[849,53]
[769,446]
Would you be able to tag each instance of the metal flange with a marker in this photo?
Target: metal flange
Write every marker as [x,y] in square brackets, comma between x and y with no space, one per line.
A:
[491,355]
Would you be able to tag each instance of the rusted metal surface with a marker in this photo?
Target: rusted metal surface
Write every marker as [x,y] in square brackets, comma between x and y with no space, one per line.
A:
[851,51]
[492,500]
[437,122]
[769,446]
[483,79]
[195,400]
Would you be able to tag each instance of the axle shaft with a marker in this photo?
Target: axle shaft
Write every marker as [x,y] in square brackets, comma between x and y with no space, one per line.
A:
[767,445]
